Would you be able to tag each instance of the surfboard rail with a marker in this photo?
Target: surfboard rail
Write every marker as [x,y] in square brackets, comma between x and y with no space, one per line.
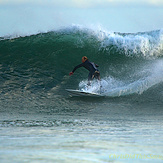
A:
[83,93]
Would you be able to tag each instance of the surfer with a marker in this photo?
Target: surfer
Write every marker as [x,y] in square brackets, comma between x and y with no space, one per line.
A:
[91,67]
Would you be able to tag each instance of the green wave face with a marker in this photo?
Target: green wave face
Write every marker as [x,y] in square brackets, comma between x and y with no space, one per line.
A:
[129,63]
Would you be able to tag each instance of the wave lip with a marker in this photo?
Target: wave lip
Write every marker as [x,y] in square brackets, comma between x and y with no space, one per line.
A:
[147,44]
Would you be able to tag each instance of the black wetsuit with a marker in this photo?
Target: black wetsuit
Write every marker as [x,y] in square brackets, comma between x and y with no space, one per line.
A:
[91,67]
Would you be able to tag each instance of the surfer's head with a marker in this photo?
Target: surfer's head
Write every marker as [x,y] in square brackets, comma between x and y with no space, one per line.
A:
[84,59]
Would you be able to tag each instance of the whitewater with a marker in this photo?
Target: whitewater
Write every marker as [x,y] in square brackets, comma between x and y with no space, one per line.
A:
[39,121]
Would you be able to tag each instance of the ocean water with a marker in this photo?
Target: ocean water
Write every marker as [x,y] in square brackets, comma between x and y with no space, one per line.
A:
[40,122]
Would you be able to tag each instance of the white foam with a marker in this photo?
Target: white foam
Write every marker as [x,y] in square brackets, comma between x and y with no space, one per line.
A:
[148,44]
[114,87]
[138,86]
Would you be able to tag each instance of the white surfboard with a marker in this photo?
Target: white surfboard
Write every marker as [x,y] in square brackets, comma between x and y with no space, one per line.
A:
[83,93]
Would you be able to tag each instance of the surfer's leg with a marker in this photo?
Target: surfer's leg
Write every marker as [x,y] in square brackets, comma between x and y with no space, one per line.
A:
[89,83]
[90,77]
[97,76]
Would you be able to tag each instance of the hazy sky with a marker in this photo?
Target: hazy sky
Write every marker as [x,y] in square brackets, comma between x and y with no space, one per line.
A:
[32,16]
[83,3]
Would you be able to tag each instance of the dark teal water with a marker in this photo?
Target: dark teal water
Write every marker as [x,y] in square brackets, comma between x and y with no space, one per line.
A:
[39,121]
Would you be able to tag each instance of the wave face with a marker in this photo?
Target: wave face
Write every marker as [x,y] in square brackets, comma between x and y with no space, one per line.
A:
[129,63]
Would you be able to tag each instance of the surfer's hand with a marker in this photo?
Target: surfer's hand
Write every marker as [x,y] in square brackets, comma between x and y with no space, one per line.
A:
[71,73]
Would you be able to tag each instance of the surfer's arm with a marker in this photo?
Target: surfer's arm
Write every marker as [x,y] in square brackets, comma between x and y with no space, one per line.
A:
[78,66]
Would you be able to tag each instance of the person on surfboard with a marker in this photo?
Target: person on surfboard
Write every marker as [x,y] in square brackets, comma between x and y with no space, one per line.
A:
[91,67]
